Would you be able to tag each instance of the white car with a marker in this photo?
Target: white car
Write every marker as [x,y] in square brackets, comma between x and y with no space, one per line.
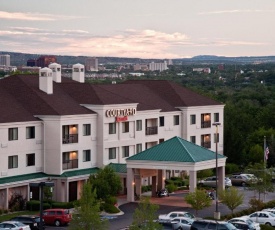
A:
[246,219]
[166,218]
[263,217]
[14,225]
[269,210]
[181,223]
[211,182]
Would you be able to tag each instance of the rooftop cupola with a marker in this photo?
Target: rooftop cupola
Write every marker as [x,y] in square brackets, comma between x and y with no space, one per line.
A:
[78,73]
[56,68]
[46,80]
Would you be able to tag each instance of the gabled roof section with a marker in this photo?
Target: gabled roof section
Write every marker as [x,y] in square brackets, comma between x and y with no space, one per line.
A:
[118,168]
[175,94]
[176,150]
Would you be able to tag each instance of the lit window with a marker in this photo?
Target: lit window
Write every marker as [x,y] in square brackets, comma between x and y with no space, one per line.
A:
[112,153]
[125,151]
[112,128]
[30,132]
[176,120]
[87,155]
[139,125]
[30,159]
[13,162]
[86,129]
[13,134]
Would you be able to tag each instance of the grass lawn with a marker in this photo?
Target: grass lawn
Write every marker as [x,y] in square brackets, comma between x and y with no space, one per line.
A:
[8,216]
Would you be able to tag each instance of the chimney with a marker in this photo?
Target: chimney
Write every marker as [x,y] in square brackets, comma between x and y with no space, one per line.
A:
[46,80]
[56,68]
[78,72]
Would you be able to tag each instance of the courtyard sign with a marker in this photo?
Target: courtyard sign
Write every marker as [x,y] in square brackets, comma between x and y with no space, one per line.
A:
[120,112]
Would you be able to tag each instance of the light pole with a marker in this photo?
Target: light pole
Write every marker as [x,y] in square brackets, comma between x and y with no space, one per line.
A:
[41,185]
[216,213]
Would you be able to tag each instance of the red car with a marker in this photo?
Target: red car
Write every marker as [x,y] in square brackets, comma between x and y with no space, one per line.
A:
[57,216]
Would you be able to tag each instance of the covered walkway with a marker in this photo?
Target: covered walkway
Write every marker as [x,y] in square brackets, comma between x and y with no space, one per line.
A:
[173,154]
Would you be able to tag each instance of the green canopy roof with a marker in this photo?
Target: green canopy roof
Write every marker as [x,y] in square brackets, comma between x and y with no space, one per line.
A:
[176,150]
[118,168]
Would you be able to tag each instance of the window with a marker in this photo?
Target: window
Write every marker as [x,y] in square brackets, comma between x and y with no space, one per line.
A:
[138,148]
[30,159]
[192,119]
[125,127]
[13,162]
[206,120]
[139,125]
[206,141]
[176,120]
[125,151]
[86,129]
[216,137]
[161,121]
[193,139]
[216,117]
[70,160]
[13,134]
[86,155]
[112,128]
[30,132]
[112,153]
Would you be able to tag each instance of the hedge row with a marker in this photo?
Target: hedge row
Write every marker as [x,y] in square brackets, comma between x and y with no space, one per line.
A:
[34,205]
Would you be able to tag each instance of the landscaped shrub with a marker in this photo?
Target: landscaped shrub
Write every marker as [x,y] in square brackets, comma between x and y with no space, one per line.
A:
[64,205]
[17,202]
[34,205]
[171,188]
[109,208]
[111,200]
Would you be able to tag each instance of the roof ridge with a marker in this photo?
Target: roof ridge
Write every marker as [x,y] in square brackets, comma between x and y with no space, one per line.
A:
[180,140]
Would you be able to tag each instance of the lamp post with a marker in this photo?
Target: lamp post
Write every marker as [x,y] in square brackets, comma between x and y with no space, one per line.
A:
[41,185]
[216,213]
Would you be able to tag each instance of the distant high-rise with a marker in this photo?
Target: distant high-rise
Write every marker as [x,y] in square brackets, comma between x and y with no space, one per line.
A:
[158,66]
[5,60]
[44,61]
[31,62]
[91,64]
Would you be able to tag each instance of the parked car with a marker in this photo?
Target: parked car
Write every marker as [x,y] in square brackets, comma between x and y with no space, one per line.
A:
[181,223]
[211,224]
[166,218]
[269,210]
[14,225]
[162,193]
[263,217]
[211,182]
[246,219]
[243,225]
[57,216]
[243,179]
[32,221]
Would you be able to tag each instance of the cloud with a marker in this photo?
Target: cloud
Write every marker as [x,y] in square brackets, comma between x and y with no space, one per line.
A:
[236,11]
[129,43]
[33,16]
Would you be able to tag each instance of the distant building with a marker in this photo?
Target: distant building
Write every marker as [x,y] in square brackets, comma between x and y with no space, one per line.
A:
[30,69]
[202,70]
[91,64]
[5,60]
[44,61]
[138,67]
[136,74]
[31,62]
[169,62]
[153,66]
[221,67]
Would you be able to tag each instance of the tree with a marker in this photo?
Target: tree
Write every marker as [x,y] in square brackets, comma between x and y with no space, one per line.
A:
[87,214]
[231,197]
[198,200]
[106,183]
[144,216]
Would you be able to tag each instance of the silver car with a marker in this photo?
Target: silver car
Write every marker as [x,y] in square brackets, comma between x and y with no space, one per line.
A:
[211,182]
[13,225]
[181,223]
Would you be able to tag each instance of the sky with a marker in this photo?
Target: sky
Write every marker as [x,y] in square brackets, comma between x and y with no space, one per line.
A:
[138,29]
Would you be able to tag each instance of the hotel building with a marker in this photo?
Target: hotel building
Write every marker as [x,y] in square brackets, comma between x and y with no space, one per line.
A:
[58,129]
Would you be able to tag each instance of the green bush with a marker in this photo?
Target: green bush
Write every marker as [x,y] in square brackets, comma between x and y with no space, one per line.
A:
[266,227]
[34,205]
[144,188]
[109,208]
[64,205]
[111,200]
[231,168]
[171,188]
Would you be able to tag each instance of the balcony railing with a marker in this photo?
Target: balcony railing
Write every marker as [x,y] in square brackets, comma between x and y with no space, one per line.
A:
[70,138]
[205,124]
[151,130]
[70,164]
[206,144]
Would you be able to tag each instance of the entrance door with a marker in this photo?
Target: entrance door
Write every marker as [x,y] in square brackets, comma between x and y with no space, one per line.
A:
[73,191]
